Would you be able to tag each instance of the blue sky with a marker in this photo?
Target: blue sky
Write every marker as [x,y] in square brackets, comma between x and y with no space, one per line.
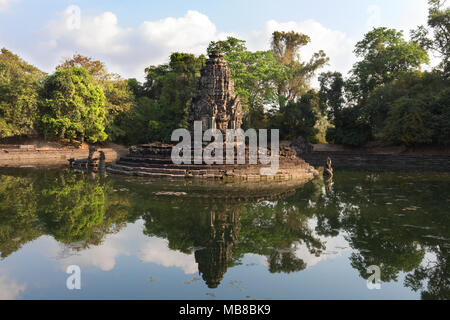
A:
[130,35]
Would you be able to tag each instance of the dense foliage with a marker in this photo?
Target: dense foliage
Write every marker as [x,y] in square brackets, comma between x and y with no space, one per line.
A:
[274,85]
[73,106]
[19,95]
[119,97]
[386,97]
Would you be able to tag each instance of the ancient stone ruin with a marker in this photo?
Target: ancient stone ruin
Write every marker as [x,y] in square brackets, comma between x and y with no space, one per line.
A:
[216,104]
[217,107]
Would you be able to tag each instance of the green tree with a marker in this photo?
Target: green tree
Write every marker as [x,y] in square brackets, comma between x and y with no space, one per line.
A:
[119,93]
[142,122]
[136,87]
[73,107]
[299,118]
[227,47]
[20,83]
[349,129]
[170,88]
[120,99]
[439,23]
[286,47]
[408,123]
[95,67]
[347,125]
[255,76]
[385,55]
[416,109]
[356,110]
[331,94]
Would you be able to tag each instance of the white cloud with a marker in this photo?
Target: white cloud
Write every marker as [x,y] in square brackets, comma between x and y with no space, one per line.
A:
[125,50]
[10,289]
[128,51]
[191,33]
[4,4]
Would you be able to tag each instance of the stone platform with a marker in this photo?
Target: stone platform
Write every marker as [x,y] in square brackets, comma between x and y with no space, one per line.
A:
[217,107]
[35,156]
[155,161]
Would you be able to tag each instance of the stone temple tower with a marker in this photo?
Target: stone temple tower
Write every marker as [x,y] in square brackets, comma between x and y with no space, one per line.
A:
[216,105]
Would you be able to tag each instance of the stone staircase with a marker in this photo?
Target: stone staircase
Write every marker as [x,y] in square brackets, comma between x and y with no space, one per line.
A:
[155,161]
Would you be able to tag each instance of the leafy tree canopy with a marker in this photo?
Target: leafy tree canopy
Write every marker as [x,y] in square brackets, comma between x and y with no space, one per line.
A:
[286,47]
[73,106]
[385,55]
[119,95]
[19,95]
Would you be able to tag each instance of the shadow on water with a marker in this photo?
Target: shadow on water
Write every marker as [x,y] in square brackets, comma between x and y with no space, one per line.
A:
[399,222]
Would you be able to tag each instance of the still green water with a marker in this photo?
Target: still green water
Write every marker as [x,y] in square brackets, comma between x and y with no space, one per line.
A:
[140,239]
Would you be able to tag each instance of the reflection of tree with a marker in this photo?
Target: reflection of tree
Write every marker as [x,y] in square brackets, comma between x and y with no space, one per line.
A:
[285,262]
[389,220]
[386,226]
[221,232]
[18,220]
[72,208]
[436,273]
[210,232]
[275,229]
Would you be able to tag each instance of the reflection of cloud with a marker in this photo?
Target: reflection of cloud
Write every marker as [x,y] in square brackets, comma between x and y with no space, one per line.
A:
[9,289]
[157,251]
[102,257]
[129,241]
[334,248]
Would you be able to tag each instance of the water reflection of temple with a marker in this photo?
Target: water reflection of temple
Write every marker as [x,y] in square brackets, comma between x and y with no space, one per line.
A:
[214,258]
[208,224]
[219,224]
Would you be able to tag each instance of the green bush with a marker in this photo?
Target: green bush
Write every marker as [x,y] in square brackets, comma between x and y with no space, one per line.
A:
[418,110]
[73,107]
[19,95]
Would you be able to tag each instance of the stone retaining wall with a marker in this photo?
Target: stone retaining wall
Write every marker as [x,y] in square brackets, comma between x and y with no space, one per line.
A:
[30,156]
[396,162]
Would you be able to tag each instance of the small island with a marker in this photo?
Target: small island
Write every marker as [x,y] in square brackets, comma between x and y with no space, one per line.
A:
[215,106]
[243,150]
